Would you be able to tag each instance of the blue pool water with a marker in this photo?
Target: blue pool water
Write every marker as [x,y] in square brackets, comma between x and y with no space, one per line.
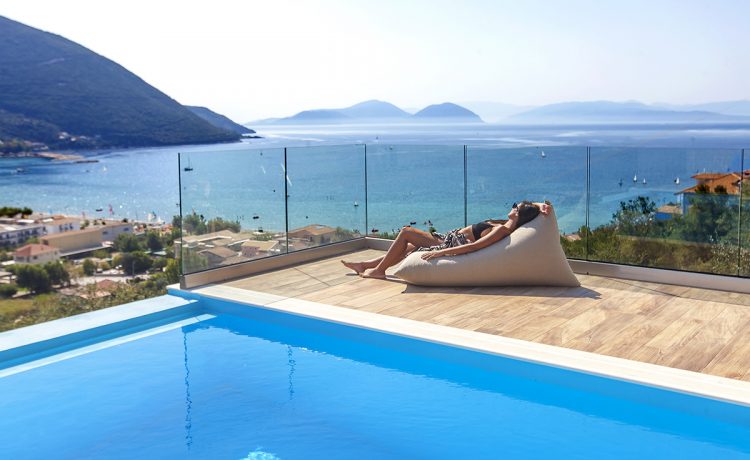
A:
[249,383]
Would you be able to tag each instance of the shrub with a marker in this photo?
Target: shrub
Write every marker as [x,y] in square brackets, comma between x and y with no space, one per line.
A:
[8,290]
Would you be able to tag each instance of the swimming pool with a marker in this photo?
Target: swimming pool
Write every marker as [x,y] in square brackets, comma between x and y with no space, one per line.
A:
[221,380]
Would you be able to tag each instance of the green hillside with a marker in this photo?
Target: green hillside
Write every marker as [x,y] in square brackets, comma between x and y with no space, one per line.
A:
[49,84]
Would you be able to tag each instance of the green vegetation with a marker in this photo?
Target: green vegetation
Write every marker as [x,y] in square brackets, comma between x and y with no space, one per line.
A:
[705,239]
[196,224]
[39,279]
[89,267]
[8,290]
[9,211]
[45,75]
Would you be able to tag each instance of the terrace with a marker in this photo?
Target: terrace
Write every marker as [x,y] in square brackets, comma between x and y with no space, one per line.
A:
[670,291]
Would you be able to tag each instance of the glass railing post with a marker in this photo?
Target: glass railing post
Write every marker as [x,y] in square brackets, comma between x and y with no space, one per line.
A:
[367,222]
[286,201]
[588,203]
[179,201]
[466,192]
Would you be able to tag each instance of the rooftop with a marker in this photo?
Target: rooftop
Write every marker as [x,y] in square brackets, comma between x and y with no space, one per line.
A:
[34,250]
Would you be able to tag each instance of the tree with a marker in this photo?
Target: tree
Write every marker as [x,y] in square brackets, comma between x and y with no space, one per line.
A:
[126,242]
[711,218]
[153,241]
[57,273]
[134,262]
[32,277]
[172,271]
[635,216]
[8,290]
[89,267]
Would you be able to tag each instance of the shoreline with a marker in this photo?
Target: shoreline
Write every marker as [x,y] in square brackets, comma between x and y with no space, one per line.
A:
[48,155]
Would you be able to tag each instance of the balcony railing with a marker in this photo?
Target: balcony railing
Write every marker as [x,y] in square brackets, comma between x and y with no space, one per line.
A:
[680,209]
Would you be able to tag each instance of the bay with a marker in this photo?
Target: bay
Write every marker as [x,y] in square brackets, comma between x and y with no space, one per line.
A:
[415,173]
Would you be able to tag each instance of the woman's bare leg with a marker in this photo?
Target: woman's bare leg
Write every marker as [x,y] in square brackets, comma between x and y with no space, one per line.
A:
[407,240]
[359,267]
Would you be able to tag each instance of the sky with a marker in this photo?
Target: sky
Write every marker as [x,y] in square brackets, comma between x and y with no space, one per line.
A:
[252,59]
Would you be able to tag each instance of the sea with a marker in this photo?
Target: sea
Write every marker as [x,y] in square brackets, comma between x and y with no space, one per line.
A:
[369,178]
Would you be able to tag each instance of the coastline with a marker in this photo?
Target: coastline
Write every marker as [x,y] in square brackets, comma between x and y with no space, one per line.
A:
[48,155]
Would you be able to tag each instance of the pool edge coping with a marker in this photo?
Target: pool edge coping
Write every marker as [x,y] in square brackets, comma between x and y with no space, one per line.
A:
[653,375]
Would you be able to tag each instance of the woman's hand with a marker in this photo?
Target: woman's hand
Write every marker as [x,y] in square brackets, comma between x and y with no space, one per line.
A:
[545,208]
[432,255]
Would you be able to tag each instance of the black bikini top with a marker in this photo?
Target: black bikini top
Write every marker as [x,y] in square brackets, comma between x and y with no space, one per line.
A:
[478,228]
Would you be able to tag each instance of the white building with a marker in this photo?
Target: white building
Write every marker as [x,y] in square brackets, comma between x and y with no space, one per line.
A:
[111,229]
[36,254]
[60,224]
[17,233]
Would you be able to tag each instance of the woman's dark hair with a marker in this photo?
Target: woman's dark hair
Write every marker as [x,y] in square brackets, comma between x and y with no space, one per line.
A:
[527,211]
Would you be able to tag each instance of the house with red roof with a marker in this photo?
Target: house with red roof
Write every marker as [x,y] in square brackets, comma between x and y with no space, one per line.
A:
[36,254]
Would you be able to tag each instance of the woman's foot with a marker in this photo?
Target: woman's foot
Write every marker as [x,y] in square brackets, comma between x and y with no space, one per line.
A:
[358,267]
[373,273]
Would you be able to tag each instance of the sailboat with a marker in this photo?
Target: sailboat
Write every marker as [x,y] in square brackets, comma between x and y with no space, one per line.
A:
[544,155]
[644,181]
[356,204]
[189,167]
[635,178]
[620,182]
[677,181]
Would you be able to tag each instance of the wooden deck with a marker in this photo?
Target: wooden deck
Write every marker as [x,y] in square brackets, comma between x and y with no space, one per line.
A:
[687,328]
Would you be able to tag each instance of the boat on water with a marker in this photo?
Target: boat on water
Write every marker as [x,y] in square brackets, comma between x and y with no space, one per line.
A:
[544,155]
[255,216]
[644,181]
[414,222]
[374,230]
[677,181]
[620,182]
[189,167]
[86,161]
[99,209]
[635,178]
[356,204]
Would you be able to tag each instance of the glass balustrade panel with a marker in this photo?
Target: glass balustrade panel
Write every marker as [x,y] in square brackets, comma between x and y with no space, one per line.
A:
[326,192]
[416,185]
[666,208]
[744,258]
[232,204]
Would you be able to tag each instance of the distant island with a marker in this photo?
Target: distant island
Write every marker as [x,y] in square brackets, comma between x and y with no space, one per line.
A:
[583,112]
[375,111]
[621,112]
[56,94]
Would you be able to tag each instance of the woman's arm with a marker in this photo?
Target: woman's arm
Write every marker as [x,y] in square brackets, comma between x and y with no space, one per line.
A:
[495,235]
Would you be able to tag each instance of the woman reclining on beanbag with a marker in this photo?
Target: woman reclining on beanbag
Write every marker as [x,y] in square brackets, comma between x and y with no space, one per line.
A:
[456,242]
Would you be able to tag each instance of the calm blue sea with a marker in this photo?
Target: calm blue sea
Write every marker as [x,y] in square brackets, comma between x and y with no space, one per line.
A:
[415,174]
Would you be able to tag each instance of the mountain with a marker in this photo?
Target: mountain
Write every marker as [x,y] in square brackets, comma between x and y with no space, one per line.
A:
[51,84]
[219,120]
[616,112]
[448,111]
[374,111]
[368,111]
[739,108]
[317,116]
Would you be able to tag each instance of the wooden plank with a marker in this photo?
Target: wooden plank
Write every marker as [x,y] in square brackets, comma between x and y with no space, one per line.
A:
[709,340]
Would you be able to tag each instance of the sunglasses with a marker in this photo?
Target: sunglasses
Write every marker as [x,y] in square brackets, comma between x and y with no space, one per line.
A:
[515,205]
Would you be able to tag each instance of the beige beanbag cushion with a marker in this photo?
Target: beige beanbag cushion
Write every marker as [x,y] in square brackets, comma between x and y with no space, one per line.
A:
[530,256]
